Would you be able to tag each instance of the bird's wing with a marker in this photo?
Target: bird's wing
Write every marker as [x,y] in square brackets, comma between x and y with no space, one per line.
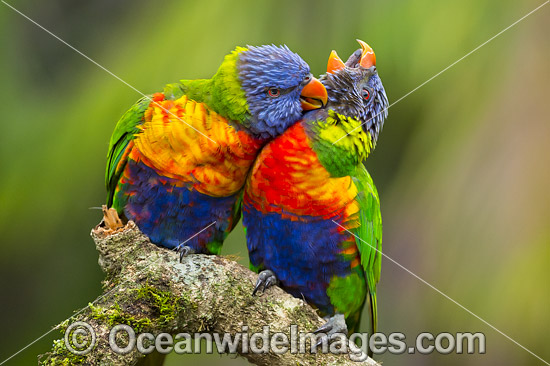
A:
[124,133]
[369,235]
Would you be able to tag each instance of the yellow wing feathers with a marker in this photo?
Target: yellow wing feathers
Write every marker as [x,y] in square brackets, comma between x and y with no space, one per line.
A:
[173,140]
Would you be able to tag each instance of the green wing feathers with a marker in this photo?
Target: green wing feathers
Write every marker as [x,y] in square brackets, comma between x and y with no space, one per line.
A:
[124,132]
[370,233]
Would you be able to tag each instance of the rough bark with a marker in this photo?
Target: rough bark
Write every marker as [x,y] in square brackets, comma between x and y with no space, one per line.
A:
[147,288]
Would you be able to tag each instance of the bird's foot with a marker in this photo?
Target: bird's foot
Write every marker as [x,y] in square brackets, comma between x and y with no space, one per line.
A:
[334,325]
[111,219]
[184,251]
[266,279]
[110,224]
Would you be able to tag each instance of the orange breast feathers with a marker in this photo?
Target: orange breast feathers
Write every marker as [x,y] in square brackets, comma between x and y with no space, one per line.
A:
[183,139]
[288,178]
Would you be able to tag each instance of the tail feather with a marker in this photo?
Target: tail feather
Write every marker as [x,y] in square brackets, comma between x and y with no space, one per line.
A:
[354,320]
[373,312]
[373,320]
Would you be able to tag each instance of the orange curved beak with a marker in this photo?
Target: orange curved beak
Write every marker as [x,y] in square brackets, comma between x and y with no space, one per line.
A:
[314,95]
[334,63]
[368,58]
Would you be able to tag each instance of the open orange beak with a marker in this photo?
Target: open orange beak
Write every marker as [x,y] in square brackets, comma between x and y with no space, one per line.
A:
[368,58]
[334,63]
[314,95]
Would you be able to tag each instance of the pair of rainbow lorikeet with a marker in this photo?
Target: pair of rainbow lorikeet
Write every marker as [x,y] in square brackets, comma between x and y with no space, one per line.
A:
[266,140]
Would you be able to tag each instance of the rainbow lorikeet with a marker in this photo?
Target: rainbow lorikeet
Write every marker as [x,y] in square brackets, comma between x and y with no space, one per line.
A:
[309,193]
[178,160]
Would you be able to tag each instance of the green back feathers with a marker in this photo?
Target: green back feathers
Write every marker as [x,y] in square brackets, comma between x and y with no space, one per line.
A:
[228,98]
[195,89]
[370,232]
[124,132]
[371,222]
[222,93]
[340,142]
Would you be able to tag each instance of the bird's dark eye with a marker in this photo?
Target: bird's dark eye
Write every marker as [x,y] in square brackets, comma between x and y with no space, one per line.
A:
[273,92]
[366,94]
[306,80]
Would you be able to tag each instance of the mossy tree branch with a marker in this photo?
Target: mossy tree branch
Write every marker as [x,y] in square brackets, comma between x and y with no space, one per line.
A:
[147,288]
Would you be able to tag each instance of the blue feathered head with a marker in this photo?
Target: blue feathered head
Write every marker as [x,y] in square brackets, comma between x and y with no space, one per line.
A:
[278,86]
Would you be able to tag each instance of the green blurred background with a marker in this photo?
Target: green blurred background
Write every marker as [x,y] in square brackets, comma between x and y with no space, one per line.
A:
[462,166]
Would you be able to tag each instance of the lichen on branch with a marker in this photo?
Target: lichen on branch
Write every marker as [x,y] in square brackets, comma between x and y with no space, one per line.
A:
[147,288]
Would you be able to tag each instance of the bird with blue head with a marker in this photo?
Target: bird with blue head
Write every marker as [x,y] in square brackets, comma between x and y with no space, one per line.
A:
[178,160]
[310,208]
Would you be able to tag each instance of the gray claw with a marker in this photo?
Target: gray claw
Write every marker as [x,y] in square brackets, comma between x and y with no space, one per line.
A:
[334,325]
[266,279]
[184,251]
